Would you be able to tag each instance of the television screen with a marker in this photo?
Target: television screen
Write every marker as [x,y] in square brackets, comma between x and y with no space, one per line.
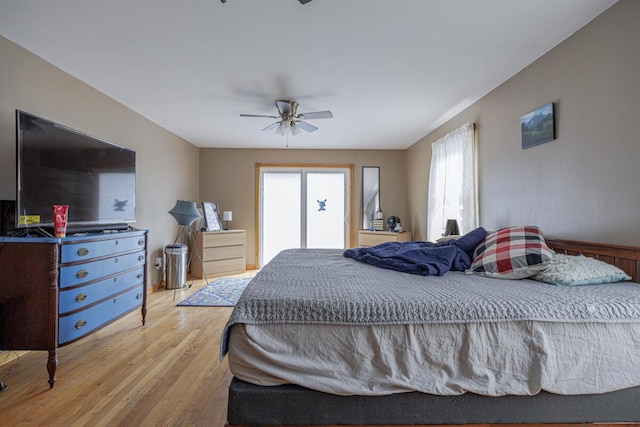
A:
[57,165]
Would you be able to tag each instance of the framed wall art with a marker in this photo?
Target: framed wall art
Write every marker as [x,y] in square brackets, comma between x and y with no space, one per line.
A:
[211,216]
[538,126]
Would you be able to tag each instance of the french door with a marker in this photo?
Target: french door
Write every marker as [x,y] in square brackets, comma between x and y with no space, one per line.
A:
[303,207]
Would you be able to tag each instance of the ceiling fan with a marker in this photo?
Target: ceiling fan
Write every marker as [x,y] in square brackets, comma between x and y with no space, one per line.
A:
[301,1]
[290,120]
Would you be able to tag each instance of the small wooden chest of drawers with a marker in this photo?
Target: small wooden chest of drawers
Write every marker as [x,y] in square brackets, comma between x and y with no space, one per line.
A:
[372,238]
[223,252]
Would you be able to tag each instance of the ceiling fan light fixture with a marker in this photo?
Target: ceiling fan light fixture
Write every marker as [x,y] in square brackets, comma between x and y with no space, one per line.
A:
[283,128]
[295,129]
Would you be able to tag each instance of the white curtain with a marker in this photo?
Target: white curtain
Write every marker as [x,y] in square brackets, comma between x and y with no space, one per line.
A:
[452,183]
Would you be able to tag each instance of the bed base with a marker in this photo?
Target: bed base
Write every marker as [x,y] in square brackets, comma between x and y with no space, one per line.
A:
[292,405]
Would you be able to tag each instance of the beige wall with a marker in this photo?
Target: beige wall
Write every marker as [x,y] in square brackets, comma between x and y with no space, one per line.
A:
[167,166]
[584,184]
[227,176]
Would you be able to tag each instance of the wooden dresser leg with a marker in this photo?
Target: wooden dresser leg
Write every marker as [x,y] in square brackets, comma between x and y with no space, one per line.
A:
[144,314]
[52,365]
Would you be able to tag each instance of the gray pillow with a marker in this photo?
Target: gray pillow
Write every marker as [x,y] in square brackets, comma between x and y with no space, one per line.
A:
[576,270]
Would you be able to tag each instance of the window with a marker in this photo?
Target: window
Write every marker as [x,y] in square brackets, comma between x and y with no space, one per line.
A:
[452,183]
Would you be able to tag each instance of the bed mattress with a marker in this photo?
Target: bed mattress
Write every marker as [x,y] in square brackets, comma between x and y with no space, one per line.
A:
[327,323]
[491,359]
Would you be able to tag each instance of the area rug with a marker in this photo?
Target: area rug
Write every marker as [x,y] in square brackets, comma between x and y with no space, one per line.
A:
[222,292]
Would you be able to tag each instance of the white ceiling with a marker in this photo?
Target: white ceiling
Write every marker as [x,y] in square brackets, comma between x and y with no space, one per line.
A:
[389,70]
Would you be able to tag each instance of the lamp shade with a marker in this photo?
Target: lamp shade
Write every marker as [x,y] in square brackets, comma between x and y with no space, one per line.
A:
[452,228]
[295,129]
[227,216]
[185,212]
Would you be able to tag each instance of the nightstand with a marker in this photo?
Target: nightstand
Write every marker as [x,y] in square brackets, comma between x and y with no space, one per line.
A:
[223,252]
[368,238]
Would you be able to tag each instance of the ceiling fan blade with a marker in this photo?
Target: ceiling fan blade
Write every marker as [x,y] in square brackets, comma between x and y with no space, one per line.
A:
[316,115]
[272,126]
[258,115]
[306,126]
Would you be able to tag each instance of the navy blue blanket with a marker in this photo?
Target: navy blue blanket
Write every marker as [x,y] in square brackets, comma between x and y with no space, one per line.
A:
[424,258]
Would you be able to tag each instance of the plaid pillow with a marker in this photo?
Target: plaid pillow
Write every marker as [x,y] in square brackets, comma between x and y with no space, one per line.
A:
[511,253]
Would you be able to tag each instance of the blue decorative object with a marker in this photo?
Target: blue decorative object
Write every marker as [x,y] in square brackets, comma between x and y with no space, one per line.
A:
[323,204]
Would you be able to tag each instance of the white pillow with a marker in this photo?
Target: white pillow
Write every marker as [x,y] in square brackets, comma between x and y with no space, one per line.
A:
[576,270]
[447,238]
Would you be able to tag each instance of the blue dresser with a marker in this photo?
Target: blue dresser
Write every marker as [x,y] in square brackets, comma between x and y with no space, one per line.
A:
[56,291]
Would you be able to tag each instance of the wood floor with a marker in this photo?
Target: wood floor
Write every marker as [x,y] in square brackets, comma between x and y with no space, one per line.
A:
[166,373]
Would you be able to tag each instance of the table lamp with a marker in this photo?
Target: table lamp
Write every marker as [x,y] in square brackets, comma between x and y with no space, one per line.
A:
[227,216]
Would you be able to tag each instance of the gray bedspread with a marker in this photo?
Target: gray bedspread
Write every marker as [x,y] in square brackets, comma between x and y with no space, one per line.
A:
[320,286]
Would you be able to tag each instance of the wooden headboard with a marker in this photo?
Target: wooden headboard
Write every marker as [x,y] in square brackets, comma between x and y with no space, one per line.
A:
[627,258]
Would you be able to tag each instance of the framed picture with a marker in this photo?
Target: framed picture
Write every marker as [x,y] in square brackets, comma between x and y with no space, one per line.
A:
[538,126]
[211,216]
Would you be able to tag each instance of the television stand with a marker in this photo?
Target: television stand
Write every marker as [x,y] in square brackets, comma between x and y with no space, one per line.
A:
[38,231]
[71,230]
[96,228]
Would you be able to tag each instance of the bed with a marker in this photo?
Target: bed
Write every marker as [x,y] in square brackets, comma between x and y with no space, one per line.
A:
[297,360]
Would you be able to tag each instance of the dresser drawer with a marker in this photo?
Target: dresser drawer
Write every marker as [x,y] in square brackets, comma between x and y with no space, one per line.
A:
[78,298]
[224,252]
[225,266]
[72,275]
[224,238]
[76,325]
[99,248]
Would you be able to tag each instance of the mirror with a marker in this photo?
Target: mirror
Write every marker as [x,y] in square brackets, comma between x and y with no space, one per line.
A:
[370,194]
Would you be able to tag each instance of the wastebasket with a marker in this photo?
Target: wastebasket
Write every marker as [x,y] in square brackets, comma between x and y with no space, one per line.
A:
[176,266]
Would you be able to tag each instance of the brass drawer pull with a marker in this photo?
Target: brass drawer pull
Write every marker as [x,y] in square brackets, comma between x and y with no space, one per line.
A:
[82,274]
[83,251]
[140,242]
[141,257]
[140,275]
[138,295]
[81,297]
[81,324]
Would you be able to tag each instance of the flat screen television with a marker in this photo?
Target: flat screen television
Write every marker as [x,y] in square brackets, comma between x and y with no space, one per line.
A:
[57,165]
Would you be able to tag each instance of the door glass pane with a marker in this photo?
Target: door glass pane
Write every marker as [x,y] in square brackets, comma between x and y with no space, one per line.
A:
[281,204]
[325,210]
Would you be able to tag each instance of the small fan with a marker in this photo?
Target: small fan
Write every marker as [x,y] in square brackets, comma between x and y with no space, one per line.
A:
[289,120]
[393,222]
